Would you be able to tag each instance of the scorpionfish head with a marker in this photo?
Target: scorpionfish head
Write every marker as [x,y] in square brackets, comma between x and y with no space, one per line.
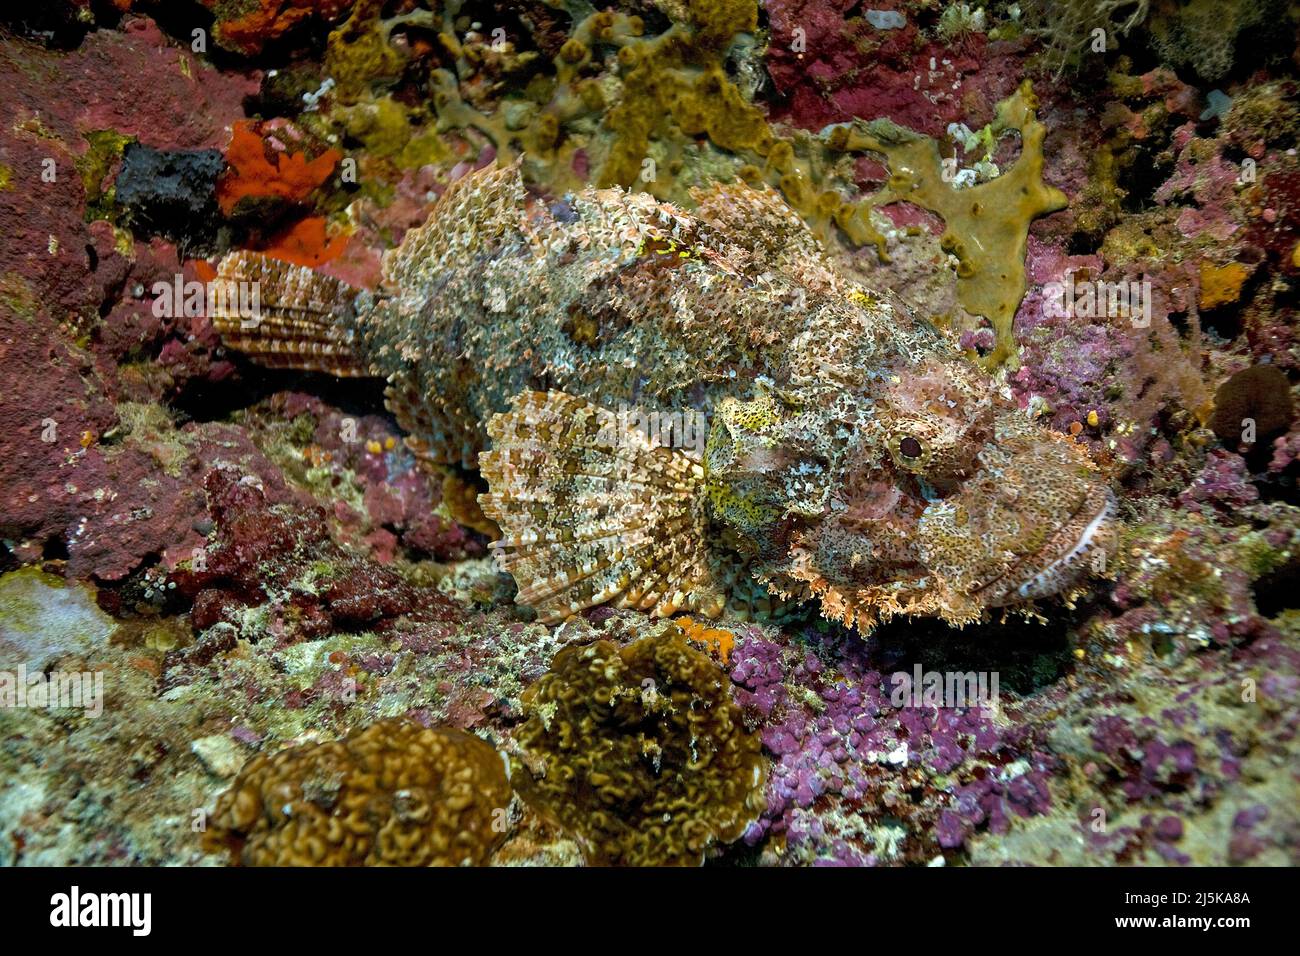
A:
[919,490]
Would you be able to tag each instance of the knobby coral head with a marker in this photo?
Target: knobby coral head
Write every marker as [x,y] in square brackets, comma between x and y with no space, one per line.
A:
[920,489]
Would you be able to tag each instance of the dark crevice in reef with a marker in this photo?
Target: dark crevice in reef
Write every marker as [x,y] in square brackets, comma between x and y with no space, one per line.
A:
[1081,243]
[1281,488]
[1142,57]
[1025,654]
[1139,180]
[1279,590]
[205,401]
[142,595]
[1259,47]
[1225,323]
[50,24]
[1258,455]
[1181,322]
[55,548]
[737,854]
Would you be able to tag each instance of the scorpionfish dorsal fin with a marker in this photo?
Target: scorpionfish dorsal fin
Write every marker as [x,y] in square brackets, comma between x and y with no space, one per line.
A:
[478,213]
[593,511]
[758,220]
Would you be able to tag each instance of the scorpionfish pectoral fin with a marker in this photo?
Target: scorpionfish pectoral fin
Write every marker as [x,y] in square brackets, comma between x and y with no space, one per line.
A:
[593,511]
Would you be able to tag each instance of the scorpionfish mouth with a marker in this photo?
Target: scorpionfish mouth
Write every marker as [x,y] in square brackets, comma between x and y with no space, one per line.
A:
[1079,547]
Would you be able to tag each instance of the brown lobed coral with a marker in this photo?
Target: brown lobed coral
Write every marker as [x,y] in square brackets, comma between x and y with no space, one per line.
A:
[392,794]
[1258,395]
[640,752]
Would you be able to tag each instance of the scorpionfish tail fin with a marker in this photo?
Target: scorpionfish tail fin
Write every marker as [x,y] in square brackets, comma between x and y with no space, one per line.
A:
[299,318]
[593,511]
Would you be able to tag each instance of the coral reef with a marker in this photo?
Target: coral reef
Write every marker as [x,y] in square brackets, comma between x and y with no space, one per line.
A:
[231,585]
[640,751]
[248,26]
[393,794]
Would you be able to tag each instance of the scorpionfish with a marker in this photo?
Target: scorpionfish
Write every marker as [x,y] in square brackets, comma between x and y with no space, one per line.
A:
[849,451]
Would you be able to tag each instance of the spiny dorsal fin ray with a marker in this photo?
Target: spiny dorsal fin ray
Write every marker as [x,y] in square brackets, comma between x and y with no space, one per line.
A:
[592,512]
[757,219]
[478,212]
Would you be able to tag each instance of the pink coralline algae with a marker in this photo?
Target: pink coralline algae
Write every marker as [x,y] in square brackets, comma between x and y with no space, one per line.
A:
[82,482]
[1286,449]
[135,82]
[253,561]
[1104,377]
[1224,483]
[834,69]
[848,760]
[1207,181]
[399,503]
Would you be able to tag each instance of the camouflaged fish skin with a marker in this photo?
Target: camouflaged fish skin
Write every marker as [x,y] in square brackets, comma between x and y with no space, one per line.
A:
[853,454]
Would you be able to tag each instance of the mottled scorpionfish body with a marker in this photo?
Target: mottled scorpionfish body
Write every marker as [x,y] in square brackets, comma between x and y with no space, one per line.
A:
[852,454]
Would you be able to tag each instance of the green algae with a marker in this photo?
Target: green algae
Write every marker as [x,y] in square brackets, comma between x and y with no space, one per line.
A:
[105,149]
[17,295]
[42,617]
